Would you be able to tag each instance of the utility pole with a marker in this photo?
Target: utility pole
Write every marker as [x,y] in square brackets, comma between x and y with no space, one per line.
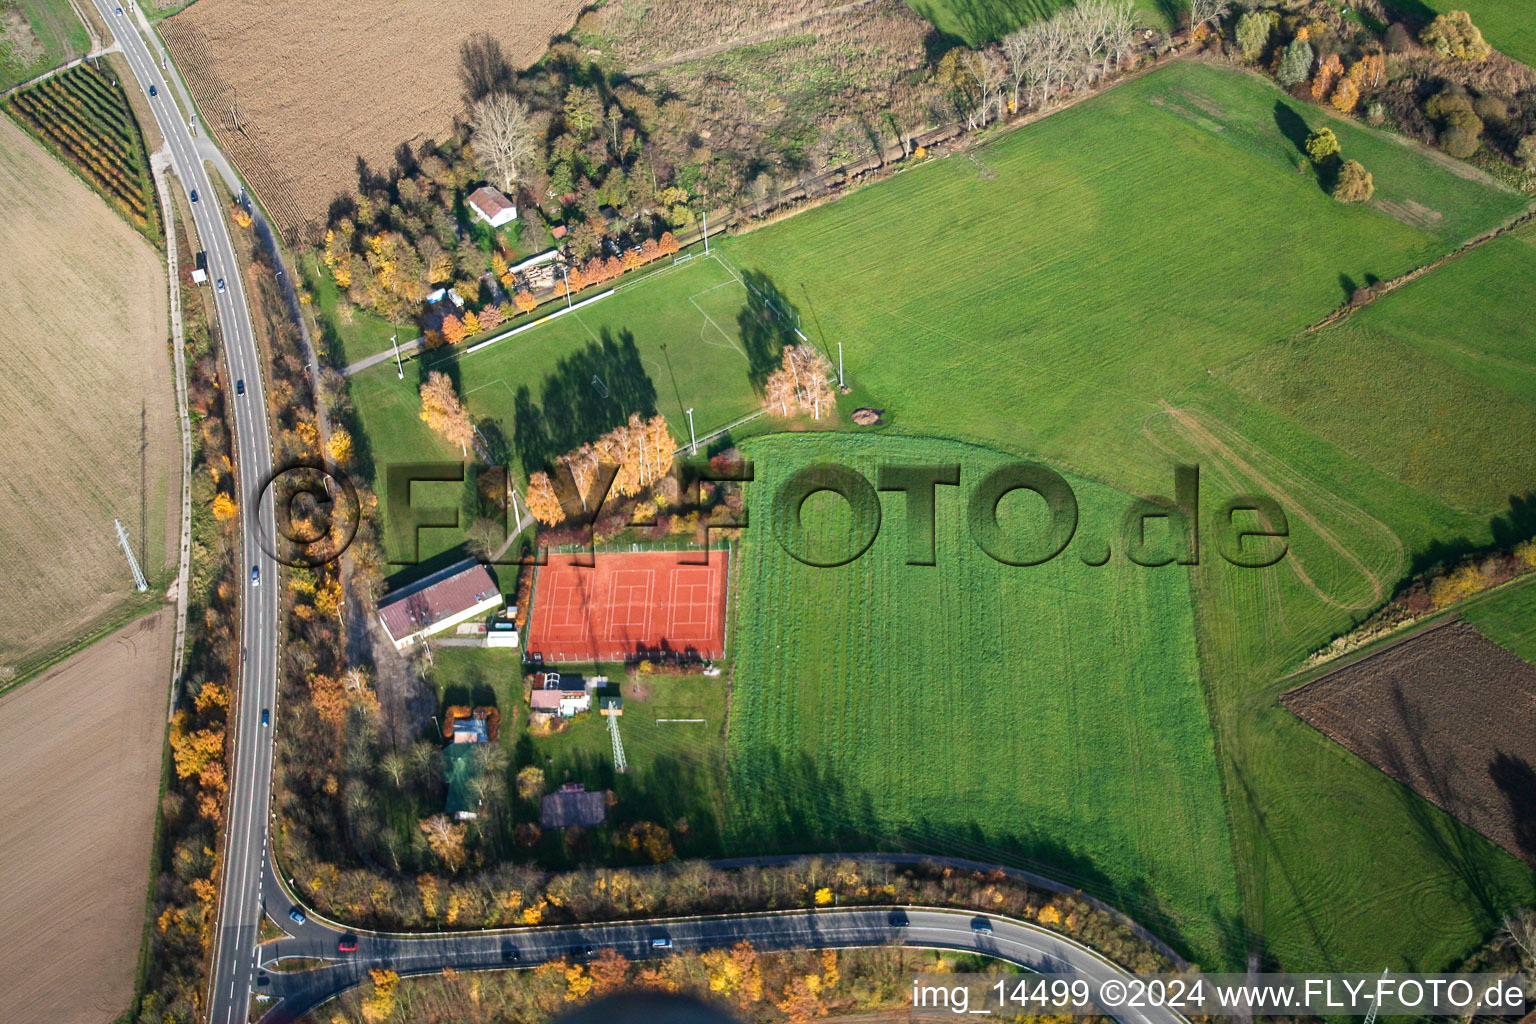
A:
[399,366]
[139,581]
[693,443]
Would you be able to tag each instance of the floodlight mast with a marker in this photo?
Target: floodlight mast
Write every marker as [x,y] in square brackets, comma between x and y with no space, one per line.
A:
[693,441]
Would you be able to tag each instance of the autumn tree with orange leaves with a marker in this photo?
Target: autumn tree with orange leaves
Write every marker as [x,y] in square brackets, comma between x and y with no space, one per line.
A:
[543,504]
[444,413]
[446,839]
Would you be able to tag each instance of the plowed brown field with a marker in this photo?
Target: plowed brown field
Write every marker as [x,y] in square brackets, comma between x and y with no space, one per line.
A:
[1448,714]
[318,87]
[80,755]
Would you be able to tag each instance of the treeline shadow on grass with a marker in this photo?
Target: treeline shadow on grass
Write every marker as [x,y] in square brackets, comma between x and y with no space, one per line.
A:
[1515,524]
[794,804]
[591,391]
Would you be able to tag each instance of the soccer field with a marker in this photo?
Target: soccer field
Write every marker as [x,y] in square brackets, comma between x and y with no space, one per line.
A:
[683,338]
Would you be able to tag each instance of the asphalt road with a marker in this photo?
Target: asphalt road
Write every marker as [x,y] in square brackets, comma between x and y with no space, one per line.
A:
[292,994]
[245,851]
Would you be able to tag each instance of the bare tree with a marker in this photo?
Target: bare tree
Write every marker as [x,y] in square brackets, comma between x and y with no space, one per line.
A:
[1520,930]
[1016,49]
[504,138]
[987,76]
[1202,12]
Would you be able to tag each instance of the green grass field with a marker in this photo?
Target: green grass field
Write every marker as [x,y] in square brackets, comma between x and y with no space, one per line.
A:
[672,341]
[1049,716]
[58,34]
[1509,619]
[1151,252]
[1105,259]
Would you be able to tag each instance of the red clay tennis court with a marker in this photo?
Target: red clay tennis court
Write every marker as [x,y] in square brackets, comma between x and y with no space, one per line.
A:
[643,604]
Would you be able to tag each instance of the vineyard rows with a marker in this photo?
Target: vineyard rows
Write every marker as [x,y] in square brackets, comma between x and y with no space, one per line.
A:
[85,118]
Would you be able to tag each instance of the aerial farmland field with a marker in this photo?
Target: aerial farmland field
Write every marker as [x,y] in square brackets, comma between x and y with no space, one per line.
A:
[90,414]
[1120,331]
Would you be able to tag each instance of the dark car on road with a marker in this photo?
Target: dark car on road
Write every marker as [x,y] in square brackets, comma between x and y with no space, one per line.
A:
[152,91]
[266,717]
[509,952]
[194,195]
[240,386]
[898,919]
[981,926]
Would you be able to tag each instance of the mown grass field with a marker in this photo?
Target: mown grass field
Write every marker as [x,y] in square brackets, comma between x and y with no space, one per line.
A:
[1509,619]
[1049,716]
[675,340]
[1104,258]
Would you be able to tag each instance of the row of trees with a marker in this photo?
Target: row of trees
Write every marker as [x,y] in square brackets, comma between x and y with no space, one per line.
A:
[196,786]
[640,452]
[1069,51]
[1447,86]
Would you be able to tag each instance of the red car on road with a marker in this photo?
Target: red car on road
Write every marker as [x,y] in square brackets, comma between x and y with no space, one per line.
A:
[348,944]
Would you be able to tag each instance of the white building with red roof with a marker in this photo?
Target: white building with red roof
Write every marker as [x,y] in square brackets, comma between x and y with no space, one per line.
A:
[491,206]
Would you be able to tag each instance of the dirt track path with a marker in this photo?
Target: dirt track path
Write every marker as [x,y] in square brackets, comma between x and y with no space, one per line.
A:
[1206,440]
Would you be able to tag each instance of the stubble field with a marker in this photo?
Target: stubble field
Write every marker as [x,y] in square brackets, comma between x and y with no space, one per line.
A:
[318,89]
[79,807]
[87,431]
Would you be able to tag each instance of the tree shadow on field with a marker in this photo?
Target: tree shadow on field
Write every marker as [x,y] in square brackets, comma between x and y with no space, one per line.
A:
[1465,854]
[794,804]
[1292,125]
[767,324]
[1517,781]
[1515,524]
[1270,854]
[591,391]
[483,68]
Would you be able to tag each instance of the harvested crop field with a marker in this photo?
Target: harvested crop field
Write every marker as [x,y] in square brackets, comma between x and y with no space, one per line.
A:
[1446,713]
[318,89]
[88,430]
[79,807]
